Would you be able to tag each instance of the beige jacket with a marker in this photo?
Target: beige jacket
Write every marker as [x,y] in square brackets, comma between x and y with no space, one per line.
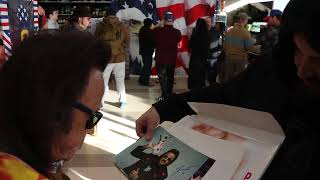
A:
[117,35]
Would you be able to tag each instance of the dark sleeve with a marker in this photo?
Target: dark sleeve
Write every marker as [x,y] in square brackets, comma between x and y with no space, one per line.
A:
[138,152]
[151,37]
[175,107]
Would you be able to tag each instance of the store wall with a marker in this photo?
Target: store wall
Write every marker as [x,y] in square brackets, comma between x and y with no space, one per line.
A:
[280,4]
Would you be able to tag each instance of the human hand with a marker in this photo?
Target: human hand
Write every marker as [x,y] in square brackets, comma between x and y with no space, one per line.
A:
[149,145]
[134,174]
[146,123]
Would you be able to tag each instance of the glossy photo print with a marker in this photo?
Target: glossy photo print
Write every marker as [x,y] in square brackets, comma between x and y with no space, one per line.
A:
[164,157]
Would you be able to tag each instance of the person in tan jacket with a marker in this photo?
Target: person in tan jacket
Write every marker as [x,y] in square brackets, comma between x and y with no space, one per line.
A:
[238,42]
[115,34]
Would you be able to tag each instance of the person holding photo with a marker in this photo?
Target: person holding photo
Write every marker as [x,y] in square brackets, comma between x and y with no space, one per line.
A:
[287,85]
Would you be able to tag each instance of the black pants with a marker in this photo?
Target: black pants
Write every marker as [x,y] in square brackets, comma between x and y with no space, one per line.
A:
[166,78]
[197,72]
[146,69]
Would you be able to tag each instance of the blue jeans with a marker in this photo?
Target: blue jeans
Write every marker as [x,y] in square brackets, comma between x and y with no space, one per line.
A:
[146,69]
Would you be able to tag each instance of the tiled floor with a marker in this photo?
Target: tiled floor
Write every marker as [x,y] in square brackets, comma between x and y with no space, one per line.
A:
[115,132]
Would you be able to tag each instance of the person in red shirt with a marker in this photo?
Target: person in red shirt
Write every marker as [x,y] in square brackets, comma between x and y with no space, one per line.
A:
[166,40]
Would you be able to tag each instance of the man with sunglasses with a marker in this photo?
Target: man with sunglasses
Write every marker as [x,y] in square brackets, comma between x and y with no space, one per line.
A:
[94,116]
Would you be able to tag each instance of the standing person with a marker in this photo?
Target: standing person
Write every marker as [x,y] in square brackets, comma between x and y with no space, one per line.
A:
[199,43]
[287,85]
[116,34]
[146,49]
[52,18]
[166,45]
[80,20]
[270,39]
[216,38]
[49,100]
[42,18]
[238,42]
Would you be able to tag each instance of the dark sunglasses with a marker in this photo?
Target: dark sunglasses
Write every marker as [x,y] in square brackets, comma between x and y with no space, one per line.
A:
[94,117]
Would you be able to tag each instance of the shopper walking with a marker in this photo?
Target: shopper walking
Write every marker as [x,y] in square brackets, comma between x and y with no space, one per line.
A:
[166,45]
[146,49]
[114,33]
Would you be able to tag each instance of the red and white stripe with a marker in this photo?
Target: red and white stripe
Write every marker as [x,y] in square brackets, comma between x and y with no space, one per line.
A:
[4,22]
[186,13]
[35,15]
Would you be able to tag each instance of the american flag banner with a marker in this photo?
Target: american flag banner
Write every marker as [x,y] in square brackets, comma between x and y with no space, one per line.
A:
[18,18]
[186,13]
[134,12]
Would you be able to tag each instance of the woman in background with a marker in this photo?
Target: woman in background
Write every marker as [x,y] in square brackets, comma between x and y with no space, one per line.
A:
[199,43]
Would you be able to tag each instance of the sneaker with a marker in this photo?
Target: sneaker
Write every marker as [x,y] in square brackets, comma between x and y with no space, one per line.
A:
[123,105]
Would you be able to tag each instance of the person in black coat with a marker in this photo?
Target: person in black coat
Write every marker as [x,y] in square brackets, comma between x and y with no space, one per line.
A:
[199,45]
[287,85]
[150,166]
[146,49]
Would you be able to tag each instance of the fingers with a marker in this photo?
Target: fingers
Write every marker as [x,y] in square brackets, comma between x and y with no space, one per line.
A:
[140,127]
[146,124]
[151,126]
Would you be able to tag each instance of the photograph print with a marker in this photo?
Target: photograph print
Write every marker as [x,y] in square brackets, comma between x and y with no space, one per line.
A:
[164,157]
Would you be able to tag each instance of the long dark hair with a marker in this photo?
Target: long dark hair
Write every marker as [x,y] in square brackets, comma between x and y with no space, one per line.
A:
[174,151]
[199,36]
[46,74]
[298,17]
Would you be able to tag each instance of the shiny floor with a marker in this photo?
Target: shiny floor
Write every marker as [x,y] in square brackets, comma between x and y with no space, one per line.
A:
[115,131]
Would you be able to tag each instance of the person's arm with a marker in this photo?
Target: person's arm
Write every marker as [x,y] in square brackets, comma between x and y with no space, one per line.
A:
[240,91]
[175,107]
[138,151]
[249,42]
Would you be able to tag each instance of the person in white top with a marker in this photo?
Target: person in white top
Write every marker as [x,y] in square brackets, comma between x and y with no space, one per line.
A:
[52,16]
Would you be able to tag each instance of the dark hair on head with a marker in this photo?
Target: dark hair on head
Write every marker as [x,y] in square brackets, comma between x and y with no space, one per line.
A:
[147,22]
[201,26]
[222,27]
[298,17]
[174,151]
[46,74]
[109,12]
[50,10]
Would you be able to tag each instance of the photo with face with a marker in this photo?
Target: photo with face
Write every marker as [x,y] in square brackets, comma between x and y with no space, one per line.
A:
[164,157]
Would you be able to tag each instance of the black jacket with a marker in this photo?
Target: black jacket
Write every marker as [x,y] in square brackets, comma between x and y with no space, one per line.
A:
[146,42]
[156,172]
[262,88]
